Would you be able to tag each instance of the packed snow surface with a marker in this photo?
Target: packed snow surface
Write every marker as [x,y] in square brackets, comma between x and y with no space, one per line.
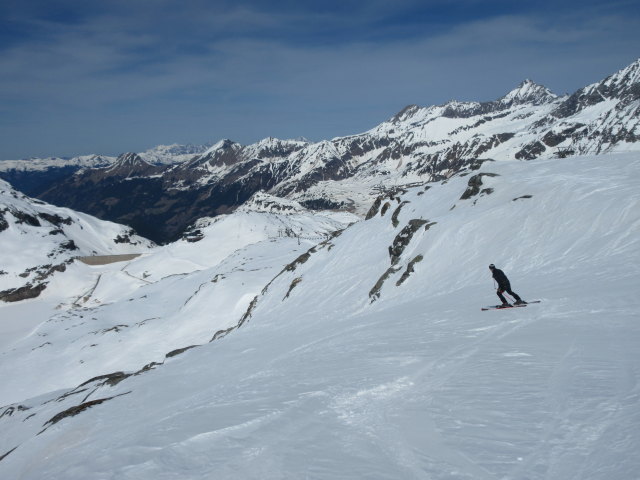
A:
[341,361]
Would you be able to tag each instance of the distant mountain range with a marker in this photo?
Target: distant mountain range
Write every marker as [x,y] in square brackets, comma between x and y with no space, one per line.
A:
[161,193]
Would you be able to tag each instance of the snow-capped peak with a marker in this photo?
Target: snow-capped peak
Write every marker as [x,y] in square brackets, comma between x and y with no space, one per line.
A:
[130,160]
[622,80]
[128,164]
[404,114]
[528,92]
[223,144]
[272,147]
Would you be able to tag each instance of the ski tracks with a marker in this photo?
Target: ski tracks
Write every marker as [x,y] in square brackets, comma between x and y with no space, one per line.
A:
[387,413]
[423,446]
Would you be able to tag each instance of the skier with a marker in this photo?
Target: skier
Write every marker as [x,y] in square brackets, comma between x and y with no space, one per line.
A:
[504,286]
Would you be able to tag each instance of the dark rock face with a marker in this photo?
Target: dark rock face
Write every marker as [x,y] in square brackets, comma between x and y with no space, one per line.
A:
[293,285]
[531,151]
[22,293]
[410,269]
[552,139]
[55,219]
[374,293]
[69,245]
[375,208]
[37,282]
[77,409]
[9,411]
[403,238]
[396,250]
[3,223]
[111,379]
[474,184]
[322,204]
[179,351]
[126,238]
[193,235]
[7,453]
[623,85]
[24,217]
[396,213]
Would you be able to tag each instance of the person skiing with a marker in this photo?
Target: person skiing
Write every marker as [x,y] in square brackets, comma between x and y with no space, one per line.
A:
[504,286]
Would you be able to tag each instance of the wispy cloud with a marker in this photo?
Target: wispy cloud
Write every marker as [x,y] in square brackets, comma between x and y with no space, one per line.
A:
[148,72]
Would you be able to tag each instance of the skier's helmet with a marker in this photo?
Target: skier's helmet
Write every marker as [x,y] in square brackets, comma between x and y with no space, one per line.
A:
[492,266]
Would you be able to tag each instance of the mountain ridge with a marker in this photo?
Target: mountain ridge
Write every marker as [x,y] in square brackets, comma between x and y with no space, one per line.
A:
[416,145]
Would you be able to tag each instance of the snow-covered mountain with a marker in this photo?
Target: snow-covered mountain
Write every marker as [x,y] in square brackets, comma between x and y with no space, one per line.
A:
[158,155]
[42,164]
[218,267]
[36,175]
[40,240]
[277,342]
[174,153]
[418,145]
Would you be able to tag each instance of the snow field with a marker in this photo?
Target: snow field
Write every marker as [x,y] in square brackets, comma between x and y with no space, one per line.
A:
[126,315]
[325,383]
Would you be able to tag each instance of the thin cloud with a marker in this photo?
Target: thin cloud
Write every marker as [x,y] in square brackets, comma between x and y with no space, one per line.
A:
[184,71]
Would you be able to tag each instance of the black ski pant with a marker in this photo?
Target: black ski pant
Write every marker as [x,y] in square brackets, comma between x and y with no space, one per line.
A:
[507,288]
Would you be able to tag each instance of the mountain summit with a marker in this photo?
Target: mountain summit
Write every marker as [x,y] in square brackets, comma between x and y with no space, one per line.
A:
[129,164]
[528,92]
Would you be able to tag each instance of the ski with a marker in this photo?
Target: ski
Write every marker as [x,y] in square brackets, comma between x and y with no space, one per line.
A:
[500,307]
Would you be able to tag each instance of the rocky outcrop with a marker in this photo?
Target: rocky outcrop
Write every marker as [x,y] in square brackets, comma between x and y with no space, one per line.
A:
[409,270]
[22,293]
[396,213]
[77,409]
[293,285]
[24,217]
[404,237]
[396,249]
[3,223]
[375,208]
[474,184]
[374,293]
[55,219]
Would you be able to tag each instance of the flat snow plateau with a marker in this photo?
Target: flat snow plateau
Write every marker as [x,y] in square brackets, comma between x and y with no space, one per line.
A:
[332,370]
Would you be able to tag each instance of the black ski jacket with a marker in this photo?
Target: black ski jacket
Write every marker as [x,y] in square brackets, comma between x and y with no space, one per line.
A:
[501,278]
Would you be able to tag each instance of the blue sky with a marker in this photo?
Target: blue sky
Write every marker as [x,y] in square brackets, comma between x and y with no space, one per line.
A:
[80,77]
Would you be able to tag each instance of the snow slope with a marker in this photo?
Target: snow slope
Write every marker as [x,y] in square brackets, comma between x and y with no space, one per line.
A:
[125,315]
[36,237]
[342,366]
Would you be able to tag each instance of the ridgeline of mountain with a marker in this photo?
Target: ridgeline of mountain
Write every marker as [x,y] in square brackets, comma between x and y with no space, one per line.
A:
[417,145]
[33,176]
